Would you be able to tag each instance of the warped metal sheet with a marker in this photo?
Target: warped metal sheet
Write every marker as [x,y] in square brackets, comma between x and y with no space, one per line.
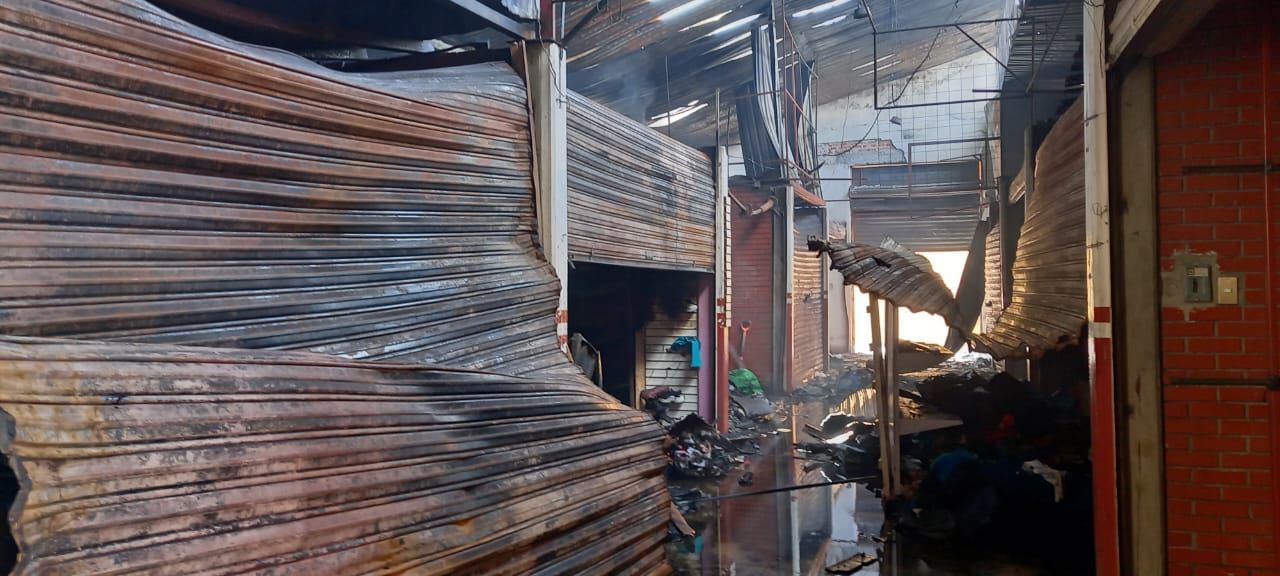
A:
[994,303]
[1049,299]
[636,197]
[895,275]
[809,350]
[173,460]
[162,184]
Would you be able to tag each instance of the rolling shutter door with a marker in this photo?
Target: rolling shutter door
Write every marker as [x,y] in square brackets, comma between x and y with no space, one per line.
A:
[636,197]
[163,184]
[809,298]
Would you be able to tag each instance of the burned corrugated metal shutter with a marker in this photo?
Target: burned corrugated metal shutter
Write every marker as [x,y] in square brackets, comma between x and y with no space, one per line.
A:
[993,305]
[809,331]
[928,207]
[636,197]
[753,293]
[1049,300]
[163,184]
[217,461]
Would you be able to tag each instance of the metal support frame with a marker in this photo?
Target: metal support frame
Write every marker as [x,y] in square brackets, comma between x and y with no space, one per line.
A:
[911,147]
[723,321]
[501,22]
[875,56]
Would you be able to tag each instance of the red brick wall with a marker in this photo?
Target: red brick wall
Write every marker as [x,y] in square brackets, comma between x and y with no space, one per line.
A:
[753,284]
[1218,467]
[1218,427]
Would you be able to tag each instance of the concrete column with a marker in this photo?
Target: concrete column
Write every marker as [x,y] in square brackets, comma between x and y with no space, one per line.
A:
[1137,324]
[1098,270]
[543,65]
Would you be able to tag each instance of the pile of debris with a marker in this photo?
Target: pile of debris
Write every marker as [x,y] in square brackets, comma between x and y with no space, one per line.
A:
[1014,477]
[838,384]
[698,451]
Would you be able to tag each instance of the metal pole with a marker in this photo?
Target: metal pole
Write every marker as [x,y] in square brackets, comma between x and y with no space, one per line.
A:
[894,459]
[723,322]
[881,384]
[666,71]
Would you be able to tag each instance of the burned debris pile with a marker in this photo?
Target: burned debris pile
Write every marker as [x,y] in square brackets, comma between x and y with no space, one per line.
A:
[1008,473]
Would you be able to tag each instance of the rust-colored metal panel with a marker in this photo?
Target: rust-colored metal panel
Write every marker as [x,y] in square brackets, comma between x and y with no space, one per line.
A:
[752,266]
[162,184]
[810,331]
[159,459]
[636,197]
[1049,299]
[896,275]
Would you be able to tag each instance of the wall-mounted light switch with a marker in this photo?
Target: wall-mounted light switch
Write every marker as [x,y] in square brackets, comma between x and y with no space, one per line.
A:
[1228,290]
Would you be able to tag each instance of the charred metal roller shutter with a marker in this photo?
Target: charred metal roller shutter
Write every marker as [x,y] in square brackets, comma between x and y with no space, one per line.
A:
[1049,300]
[636,197]
[162,184]
[809,298]
[993,304]
[216,461]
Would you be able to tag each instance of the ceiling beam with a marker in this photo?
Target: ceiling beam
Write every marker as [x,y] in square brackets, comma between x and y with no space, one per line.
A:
[1151,27]
[497,20]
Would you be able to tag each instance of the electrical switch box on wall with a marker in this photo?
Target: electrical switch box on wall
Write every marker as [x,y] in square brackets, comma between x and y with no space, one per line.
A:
[1196,281]
[1199,285]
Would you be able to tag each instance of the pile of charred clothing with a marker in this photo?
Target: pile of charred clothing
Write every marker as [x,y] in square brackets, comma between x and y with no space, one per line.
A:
[660,401]
[1015,478]
[698,451]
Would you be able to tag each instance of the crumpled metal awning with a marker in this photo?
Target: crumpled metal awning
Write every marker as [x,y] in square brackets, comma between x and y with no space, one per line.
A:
[164,459]
[893,273]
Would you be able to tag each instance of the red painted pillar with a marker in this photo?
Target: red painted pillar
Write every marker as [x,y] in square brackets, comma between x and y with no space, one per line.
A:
[1106,500]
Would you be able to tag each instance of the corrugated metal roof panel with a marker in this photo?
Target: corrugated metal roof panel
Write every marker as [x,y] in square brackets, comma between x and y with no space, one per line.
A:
[163,459]
[163,184]
[1049,299]
[893,275]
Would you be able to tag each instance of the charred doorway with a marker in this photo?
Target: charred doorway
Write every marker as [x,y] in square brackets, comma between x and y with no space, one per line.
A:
[635,329]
